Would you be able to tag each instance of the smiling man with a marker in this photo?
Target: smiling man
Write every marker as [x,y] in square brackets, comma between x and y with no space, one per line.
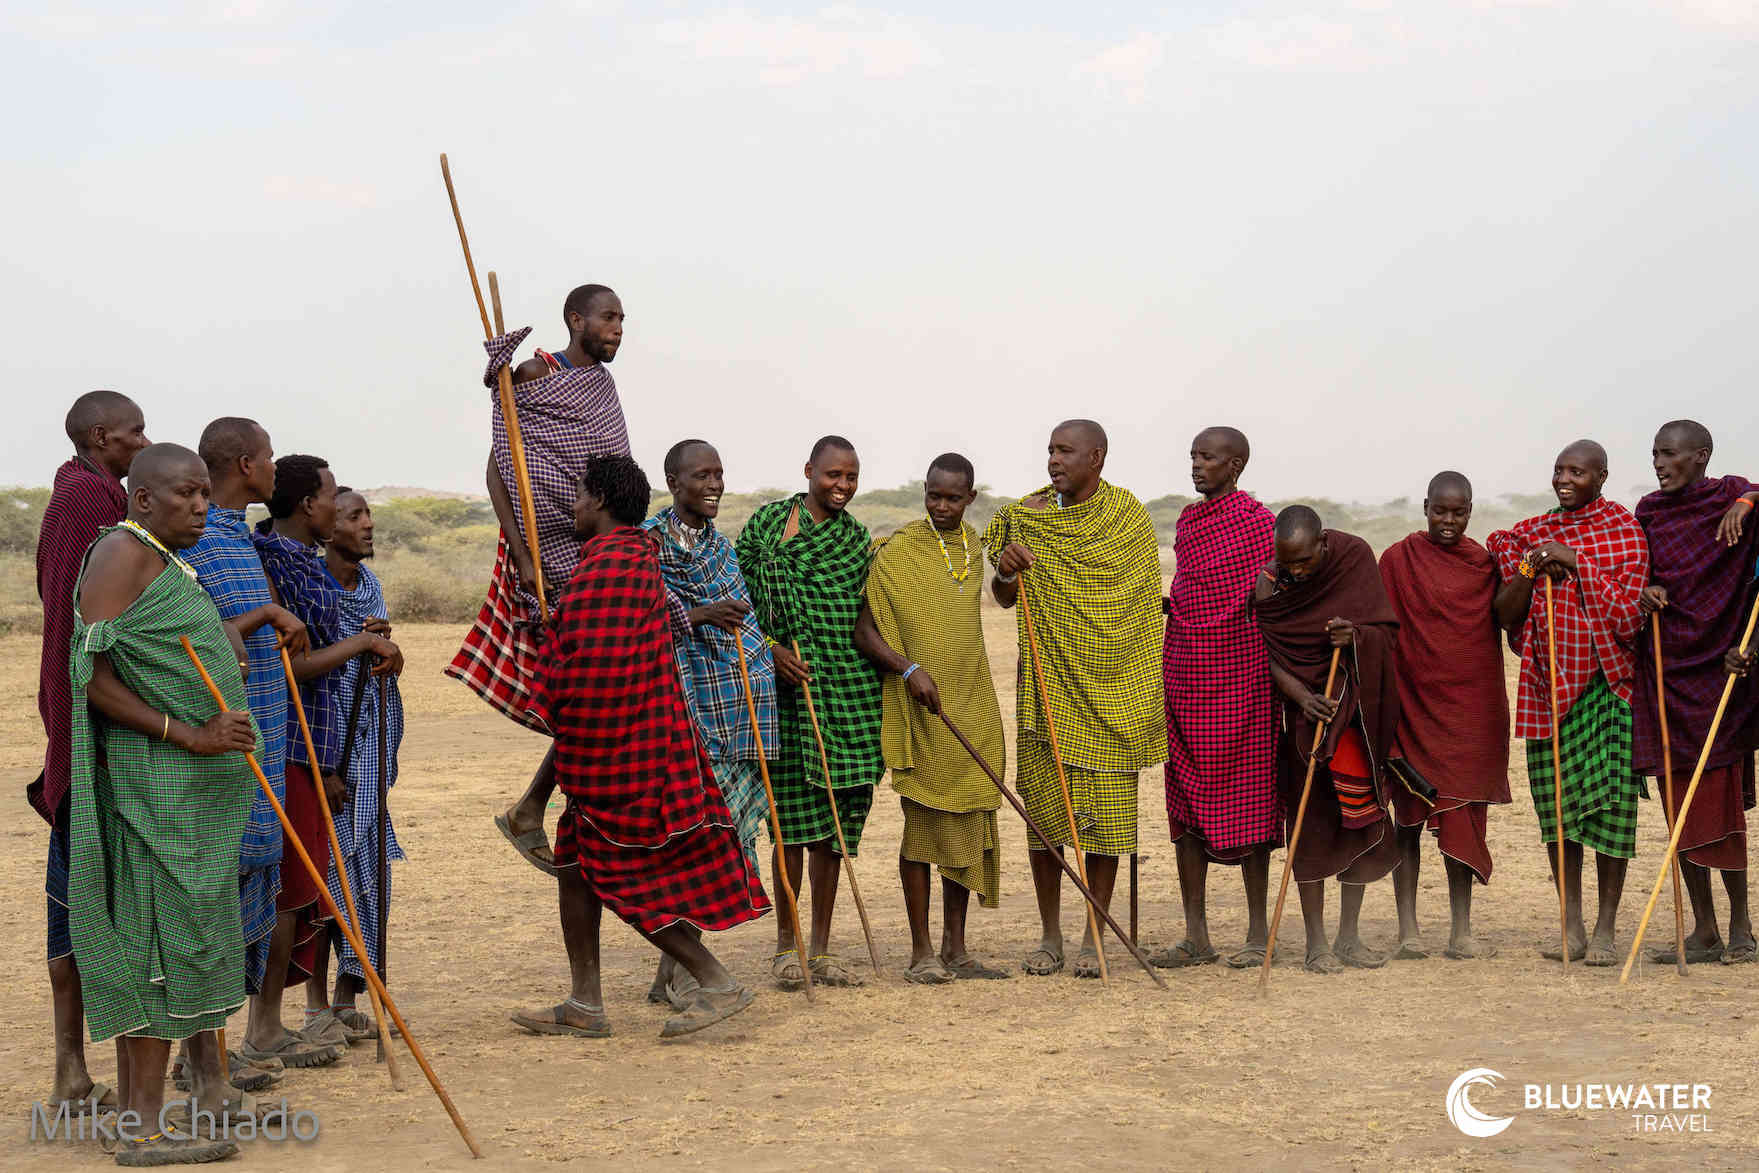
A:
[805,561]
[1085,554]
[1322,593]
[1595,554]
[1702,547]
[1220,705]
[568,412]
[921,625]
[701,572]
[1442,585]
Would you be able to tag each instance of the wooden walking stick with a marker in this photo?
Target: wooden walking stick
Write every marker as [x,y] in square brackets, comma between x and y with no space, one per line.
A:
[317,777]
[383,893]
[1673,841]
[292,840]
[1679,911]
[1133,858]
[1050,726]
[1282,892]
[1032,825]
[509,410]
[1557,776]
[769,793]
[836,821]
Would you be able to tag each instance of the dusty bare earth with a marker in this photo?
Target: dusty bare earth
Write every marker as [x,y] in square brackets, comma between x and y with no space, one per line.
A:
[1329,1071]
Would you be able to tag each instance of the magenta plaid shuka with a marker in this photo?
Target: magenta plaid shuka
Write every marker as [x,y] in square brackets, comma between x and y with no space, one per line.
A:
[1220,703]
[1597,616]
[1709,592]
[564,418]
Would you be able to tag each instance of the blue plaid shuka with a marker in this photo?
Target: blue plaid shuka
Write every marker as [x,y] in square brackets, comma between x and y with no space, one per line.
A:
[228,569]
[708,572]
[308,591]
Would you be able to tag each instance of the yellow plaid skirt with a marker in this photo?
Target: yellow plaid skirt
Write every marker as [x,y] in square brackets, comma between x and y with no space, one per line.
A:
[1105,804]
[964,846]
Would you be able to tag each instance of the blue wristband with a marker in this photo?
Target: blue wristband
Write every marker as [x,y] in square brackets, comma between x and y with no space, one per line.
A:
[908,671]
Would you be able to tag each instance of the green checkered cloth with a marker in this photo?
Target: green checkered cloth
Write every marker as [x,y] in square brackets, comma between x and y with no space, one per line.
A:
[1600,788]
[155,831]
[810,588]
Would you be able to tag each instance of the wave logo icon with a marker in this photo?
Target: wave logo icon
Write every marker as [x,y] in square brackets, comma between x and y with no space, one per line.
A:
[1463,1115]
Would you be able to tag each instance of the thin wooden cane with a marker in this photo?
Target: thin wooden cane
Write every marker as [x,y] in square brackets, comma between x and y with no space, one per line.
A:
[1032,825]
[1282,892]
[1679,825]
[382,896]
[292,840]
[1557,776]
[1679,910]
[1050,726]
[842,843]
[769,794]
[509,413]
[521,471]
[1133,858]
[317,778]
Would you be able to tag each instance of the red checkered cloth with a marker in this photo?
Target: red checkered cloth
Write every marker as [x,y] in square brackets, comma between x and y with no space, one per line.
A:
[85,500]
[1597,615]
[646,823]
[1220,702]
[500,656]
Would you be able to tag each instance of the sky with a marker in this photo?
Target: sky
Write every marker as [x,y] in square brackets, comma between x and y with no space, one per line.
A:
[1383,237]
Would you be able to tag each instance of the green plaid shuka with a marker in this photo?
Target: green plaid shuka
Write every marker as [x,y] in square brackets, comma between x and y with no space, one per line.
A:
[810,588]
[1600,789]
[155,831]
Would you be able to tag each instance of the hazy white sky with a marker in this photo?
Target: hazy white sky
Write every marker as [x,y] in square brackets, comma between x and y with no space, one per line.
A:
[1382,237]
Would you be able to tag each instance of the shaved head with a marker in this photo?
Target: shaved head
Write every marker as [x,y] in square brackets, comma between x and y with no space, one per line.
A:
[1231,440]
[159,465]
[1449,481]
[97,409]
[1091,434]
[1297,521]
[1588,452]
[227,439]
[1688,433]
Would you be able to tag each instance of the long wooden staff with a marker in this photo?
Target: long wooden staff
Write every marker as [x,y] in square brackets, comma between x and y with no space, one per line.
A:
[292,839]
[769,793]
[1050,726]
[1673,842]
[382,897]
[1679,911]
[1557,776]
[842,844]
[1282,892]
[317,778]
[509,411]
[1032,825]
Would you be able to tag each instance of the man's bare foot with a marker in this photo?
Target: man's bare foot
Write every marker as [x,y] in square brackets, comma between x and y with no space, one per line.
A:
[1468,949]
[1600,952]
[1356,955]
[1578,946]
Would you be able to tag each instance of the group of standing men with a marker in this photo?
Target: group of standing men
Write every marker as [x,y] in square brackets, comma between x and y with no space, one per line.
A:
[173,896]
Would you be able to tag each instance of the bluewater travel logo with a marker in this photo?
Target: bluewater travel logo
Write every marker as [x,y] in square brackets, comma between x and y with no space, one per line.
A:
[1651,1107]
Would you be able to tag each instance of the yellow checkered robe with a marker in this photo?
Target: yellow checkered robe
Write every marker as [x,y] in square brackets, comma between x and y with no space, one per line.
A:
[1095,591]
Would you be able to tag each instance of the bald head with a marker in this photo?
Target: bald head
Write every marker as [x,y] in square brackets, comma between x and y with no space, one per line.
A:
[1688,434]
[1084,432]
[1448,484]
[1229,440]
[1579,476]
[159,465]
[168,494]
[96,409]
[107,428]
[1218,457]
[1297,521]
[1300,542]
[1587,453]
[1077,457]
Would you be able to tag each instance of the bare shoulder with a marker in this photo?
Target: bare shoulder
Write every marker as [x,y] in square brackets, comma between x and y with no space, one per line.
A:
[120,568]
[530,370]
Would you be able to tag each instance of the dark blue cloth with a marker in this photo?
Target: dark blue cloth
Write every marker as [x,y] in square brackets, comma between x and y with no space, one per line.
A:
[55,886]
[307,590]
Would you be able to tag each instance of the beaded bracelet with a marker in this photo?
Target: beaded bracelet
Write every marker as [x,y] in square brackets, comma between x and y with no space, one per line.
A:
[908,671]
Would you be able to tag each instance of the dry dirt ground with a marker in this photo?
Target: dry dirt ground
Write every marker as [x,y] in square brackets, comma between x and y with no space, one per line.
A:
[1328,1072]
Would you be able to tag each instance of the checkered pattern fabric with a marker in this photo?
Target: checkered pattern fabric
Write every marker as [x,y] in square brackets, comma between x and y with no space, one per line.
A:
[1597,615]
[357,829]
[564,417]
[1600,790]
[742,786]
[153,830]
[84,501]
[1094,589]
[1221,706]
[810,588]
[307,590]
[709,573]
[500,656]
[964,847]
[1105,803]
[645,822]
[805,814]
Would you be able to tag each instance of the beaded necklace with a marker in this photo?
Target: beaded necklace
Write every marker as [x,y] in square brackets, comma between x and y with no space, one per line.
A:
[136,527]
[959,576]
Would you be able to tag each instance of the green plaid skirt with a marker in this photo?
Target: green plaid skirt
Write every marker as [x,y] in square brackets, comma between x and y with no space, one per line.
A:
[1600,789]
[805,812]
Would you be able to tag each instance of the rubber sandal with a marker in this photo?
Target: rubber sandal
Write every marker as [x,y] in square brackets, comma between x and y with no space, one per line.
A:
[1247,957]
[781,965]
[1181,956]
[526,844]
[828,970]
[555,1024]
[973,970]
[171,1148]
[293,1051]
[707,1008]
[930,971]
[1054,964]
